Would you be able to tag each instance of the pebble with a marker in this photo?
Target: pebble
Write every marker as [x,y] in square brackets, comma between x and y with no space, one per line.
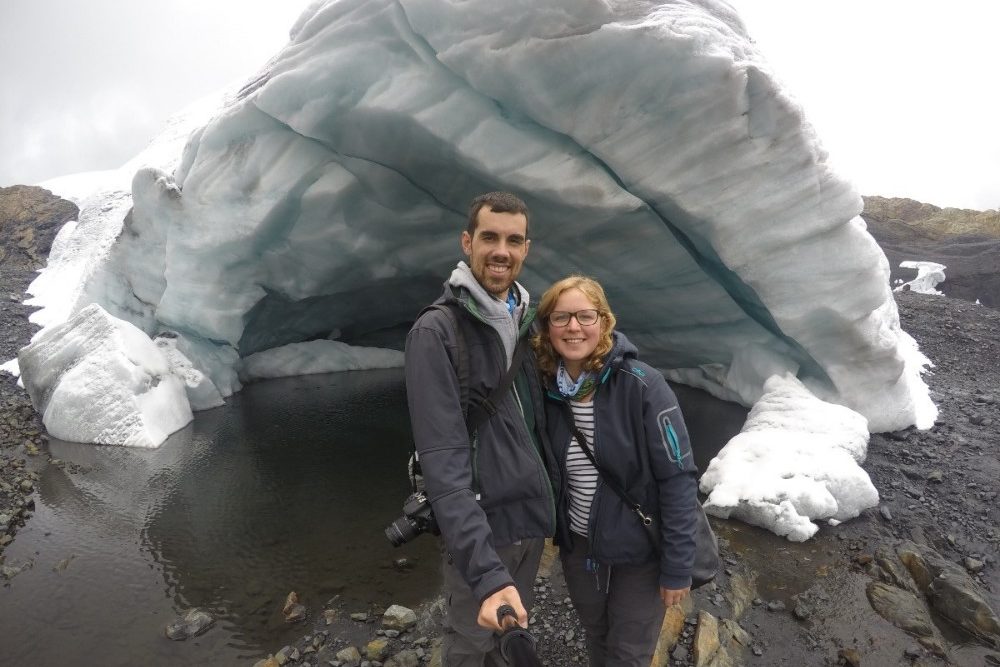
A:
[193,623]
[973,565]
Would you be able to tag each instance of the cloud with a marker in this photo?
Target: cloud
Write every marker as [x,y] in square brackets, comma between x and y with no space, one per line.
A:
[901,93]
[88,85]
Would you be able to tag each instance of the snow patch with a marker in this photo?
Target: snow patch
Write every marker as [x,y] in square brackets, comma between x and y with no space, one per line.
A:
[929,275]
[796,461]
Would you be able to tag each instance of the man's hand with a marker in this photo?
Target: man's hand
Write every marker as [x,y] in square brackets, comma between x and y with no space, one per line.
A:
[488,610]
[671,597]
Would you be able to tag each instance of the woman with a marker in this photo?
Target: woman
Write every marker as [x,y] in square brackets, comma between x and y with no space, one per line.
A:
[619,573]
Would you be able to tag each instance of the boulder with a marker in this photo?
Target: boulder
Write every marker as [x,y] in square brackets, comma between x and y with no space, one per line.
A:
[399,618]
[951,592]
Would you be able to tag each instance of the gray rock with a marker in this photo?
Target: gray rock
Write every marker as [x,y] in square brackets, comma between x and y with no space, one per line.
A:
[901,608]
[283,655]
[350,656]
[972,565]
[295,613]
[400,618]
[742,590]
[776,605]
[11,571]
[732,631]
[951,592]
[884,511]
[191,624]
[407,658]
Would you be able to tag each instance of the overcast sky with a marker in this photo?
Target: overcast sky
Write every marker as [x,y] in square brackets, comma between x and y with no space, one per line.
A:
[903,93]
[86,84]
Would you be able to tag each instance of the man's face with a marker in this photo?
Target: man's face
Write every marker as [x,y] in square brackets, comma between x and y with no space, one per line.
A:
[497,250]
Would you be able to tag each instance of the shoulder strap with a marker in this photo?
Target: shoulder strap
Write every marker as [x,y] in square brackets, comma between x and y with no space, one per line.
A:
[652,532]
[462,361]
[486,408]
[475,415]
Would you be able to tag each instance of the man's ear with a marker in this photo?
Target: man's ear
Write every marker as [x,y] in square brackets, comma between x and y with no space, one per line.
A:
[527,246]
[467,244]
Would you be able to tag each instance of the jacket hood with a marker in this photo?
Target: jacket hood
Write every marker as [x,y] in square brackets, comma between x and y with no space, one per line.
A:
[463,287]
[621,349]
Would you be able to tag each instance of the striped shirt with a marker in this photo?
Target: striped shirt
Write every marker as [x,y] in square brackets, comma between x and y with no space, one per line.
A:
[580,472]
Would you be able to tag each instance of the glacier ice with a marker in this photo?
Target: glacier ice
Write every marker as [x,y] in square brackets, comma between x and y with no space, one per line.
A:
[929,274]
[795,460]
[96,378]
[656,150]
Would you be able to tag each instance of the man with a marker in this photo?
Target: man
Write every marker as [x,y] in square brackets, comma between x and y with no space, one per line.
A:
[489,491]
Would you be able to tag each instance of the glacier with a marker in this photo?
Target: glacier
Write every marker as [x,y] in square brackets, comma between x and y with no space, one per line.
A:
[929,274]
[322,203]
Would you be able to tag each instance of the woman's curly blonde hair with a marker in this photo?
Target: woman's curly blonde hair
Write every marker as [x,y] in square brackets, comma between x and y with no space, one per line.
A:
[548,360]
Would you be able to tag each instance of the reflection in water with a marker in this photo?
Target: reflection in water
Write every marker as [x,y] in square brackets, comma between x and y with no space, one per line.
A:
[287,487]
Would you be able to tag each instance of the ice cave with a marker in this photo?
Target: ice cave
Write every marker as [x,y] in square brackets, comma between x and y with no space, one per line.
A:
[303,220]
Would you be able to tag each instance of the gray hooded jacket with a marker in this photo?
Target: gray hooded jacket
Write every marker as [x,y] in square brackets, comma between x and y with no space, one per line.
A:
[494,490]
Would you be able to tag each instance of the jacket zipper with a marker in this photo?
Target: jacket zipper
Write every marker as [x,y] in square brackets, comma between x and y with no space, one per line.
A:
[517,400]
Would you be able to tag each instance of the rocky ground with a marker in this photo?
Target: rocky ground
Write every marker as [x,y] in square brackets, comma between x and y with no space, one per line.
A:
[29,220]
[966,242]
[914,581]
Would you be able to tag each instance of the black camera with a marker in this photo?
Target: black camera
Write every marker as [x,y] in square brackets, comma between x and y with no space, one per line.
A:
[417,518]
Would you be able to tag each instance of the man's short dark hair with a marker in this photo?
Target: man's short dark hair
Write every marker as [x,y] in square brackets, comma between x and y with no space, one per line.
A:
[498,202]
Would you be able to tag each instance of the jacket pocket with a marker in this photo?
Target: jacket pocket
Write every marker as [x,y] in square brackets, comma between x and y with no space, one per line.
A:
[670,439]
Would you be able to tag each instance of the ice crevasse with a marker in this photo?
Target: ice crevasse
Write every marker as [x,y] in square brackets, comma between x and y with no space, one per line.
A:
[307,217]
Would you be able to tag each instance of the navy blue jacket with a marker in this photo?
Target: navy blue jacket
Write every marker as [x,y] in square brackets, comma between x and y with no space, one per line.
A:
[640,439]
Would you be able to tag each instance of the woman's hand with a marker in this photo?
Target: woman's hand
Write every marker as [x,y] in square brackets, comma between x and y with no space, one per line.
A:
[671,597]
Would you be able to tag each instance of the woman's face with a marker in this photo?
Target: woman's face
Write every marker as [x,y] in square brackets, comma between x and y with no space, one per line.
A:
[574,342]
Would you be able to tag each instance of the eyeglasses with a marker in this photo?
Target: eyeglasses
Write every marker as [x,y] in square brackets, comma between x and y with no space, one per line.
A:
[560,318]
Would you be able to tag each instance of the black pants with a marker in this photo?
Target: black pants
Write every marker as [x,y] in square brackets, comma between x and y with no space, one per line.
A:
[620,607]
[465,643]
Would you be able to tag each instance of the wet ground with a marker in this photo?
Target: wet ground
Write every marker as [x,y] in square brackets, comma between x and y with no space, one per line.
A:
[288,487]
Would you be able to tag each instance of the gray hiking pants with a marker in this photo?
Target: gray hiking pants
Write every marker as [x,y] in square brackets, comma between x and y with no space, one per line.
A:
[620,607]
[465,643]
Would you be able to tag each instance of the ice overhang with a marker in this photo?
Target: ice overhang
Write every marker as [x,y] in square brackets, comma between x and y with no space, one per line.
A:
[653,145]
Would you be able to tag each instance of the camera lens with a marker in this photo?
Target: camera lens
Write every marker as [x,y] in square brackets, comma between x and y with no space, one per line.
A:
[401,531]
